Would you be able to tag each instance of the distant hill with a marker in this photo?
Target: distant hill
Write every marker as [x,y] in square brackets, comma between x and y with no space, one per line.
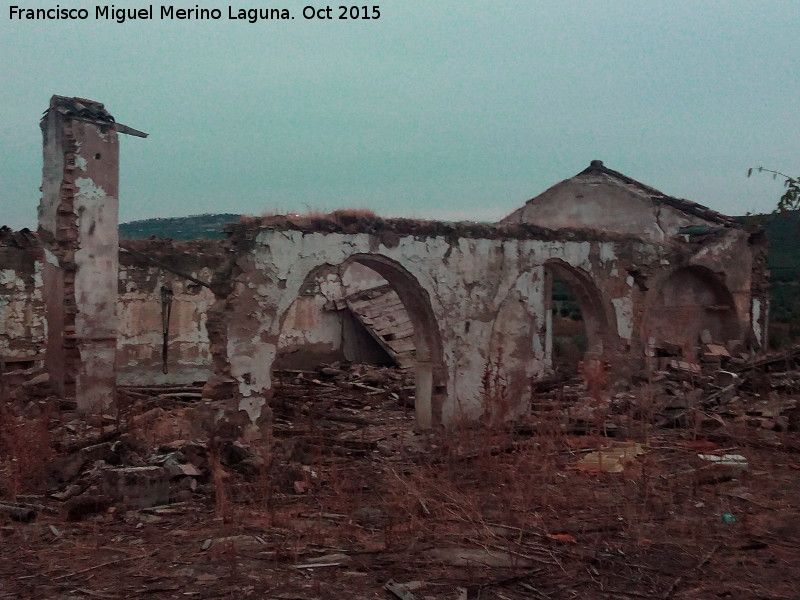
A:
[208,226]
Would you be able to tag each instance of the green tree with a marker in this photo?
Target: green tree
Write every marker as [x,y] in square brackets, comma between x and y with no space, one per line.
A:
[791,197]
[783,261]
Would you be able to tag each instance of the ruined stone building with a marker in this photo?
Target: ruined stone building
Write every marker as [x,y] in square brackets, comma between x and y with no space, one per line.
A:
[449,300]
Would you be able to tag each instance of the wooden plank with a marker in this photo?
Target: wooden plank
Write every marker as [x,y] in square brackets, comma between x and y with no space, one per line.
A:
[381,342]
[395,332]
[402,345]
[396,322]
[400,590]
[381,301]
[401,334]
[407,358]
[374,311]
[393,318]
[385,316]
[397,315]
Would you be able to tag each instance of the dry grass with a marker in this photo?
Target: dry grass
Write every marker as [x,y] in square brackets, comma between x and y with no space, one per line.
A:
[315,219]
[501,513]
[26,449]
[495,400]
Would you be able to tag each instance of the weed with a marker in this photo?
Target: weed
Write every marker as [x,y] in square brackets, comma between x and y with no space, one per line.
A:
[494,395]
[25,449]
[221,481]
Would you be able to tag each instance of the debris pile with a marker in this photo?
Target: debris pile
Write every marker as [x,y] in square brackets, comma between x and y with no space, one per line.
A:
[726,387]
[340,391]
[732,388]
[345,500]
[152,452]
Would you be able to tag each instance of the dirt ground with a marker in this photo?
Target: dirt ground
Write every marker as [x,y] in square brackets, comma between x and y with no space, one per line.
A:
[364,507]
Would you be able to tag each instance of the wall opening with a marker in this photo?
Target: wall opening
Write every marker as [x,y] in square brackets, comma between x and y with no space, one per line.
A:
[576,322]
[367,310]
[692,306]
[569,342]
[346,313]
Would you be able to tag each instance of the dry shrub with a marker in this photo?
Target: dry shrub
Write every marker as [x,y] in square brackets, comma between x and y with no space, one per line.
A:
[466,496]
[595,372]
[221,481]
[257,490]
[158,426]
[25,450]
[314,219]
[497,409]
[345,215]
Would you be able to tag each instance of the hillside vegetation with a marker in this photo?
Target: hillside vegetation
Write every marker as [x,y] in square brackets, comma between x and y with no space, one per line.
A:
[207,227]
[783,232]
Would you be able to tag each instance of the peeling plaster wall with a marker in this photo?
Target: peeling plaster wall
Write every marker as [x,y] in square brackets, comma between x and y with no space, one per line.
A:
[23,322]
[139,344]
[312,334]
[477,296]
[357,278]
[24,329]
[312,331]
[96,205]
[146,267]
[643,266]
[695,239]
[485,296]
[710,286]
[595,200]
[23,334]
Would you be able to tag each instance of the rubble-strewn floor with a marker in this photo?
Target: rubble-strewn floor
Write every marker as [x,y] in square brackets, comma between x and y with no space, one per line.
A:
[347,499]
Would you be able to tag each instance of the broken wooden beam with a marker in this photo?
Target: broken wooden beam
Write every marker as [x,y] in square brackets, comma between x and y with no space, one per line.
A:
[18,513]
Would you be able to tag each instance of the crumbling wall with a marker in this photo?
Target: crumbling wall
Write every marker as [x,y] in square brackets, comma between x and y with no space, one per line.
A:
[644,266]
[758,245]
[147,267]
[462,286]
[78,228]
[711,281]
[313,330]
[602,199]
[478,298]
[710,289]
[24,328]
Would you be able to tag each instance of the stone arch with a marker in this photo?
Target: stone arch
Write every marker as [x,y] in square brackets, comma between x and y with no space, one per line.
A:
[687,301]
[520,348]
[598,320]
[516,352]
[429,369]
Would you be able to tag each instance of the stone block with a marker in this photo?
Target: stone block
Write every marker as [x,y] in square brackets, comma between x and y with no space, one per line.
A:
[137,487]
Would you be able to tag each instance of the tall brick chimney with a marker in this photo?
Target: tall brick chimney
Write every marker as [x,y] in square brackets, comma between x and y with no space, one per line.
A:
[78,225]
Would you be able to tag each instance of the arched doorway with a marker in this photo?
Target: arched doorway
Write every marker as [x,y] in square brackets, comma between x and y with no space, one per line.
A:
[691,305]
[522,345]
[577,324]
[422,351]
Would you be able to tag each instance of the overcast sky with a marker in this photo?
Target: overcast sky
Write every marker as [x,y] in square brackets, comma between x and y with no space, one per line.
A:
[444,109]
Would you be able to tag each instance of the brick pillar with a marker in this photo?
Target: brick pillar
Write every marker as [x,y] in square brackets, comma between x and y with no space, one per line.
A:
[78,221]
